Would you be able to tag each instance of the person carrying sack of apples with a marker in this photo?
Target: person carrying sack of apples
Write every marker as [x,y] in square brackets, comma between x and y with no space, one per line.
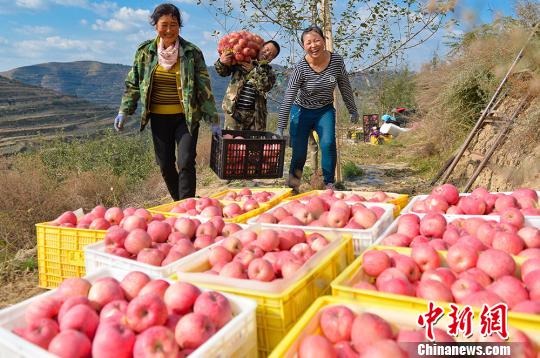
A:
[244,103]
[170,78]
[308,104]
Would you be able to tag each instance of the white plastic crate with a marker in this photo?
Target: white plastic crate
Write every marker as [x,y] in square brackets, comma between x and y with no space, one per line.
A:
[96,258]
[188,269]
[362,239]
[533,221]
[408,208]
[238,338]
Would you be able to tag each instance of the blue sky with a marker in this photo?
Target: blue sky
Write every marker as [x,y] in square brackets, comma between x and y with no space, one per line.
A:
[37,31]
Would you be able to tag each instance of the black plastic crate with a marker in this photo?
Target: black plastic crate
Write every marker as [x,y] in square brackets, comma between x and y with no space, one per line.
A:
[257,156]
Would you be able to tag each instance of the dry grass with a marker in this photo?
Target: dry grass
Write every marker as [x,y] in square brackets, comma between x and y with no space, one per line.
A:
[451,96]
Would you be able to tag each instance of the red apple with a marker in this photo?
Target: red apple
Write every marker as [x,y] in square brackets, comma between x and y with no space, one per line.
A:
[113,340]
[180,297]
[425,257]
[233,269]
[156,342]
[367,329]
[496,263]
[463,287]
[103,291]
[114,311]
[41,332]
[158,287]
[434,291]
[461,257]
[146,311]
[81,318]
[71,344]
[46,307]
[316,346]
[336,323]
[73,287]
[193,330]
[260,270]
[215,306]
[433,225]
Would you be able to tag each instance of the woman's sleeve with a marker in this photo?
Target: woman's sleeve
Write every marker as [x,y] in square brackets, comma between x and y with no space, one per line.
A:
[290,95]
[131,94]
[346,90]
[205,97]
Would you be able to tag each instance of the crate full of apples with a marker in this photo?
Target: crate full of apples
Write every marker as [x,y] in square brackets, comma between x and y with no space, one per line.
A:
[260,258]
[155,248]
[446,199]
[330,196]
[415,276]
[114,314]
[364,221]
[205,207]
[60,242]
[284,270]
[511,232]
[337,327]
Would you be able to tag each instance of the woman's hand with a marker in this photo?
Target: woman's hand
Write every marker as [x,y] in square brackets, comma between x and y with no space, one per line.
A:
[226,58]
[119,122]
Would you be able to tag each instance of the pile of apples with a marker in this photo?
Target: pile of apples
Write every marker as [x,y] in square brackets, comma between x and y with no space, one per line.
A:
[471,278]
[243,44]
[136,316]
[210,207]
[245,194]
[99,218]
[330,196]
[509,235]
[347,334]
[160,242]
[266,256]
[318,212]
[446,199]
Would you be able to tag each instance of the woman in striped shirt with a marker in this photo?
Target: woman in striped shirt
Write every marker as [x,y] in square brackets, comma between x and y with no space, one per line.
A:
[309,104]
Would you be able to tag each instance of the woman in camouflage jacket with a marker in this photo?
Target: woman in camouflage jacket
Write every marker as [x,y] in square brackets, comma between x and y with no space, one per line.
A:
[170,78]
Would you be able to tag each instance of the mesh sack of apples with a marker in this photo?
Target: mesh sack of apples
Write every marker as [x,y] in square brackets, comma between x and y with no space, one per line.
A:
[243,44]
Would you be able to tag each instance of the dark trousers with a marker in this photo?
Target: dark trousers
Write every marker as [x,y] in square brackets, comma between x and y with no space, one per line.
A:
[175,150]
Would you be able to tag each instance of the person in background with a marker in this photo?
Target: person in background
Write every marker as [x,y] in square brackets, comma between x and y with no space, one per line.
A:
[308,102]
[170,78]
[244,103]
[386,118]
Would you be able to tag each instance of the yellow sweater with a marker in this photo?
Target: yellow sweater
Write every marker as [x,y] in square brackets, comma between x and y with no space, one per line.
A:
[166,96]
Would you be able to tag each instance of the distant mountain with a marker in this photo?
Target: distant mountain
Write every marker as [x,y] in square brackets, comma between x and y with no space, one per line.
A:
[97,82]
[31,114]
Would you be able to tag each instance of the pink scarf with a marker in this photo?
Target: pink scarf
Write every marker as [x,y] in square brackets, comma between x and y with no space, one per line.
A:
[167,57]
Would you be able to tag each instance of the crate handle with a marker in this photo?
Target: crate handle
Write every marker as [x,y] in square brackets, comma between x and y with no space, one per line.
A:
[76,258]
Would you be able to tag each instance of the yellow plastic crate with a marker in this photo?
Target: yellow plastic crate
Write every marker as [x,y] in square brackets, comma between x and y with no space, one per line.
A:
[309,323]
[341,287]
[60,252]
[165,210]
[399,200]
[279,194]
[278,312]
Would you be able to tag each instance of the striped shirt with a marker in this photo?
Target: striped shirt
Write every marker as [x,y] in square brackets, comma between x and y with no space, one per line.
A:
[166,94]
[246,97]
[312,90]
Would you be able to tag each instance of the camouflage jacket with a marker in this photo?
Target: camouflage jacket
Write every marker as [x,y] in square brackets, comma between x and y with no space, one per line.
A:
[197,96]
[261,77]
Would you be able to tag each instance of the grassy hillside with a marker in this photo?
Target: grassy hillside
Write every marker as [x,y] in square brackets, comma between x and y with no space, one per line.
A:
[30,115]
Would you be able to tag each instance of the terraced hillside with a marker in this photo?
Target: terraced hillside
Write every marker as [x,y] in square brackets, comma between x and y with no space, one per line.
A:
[30,115]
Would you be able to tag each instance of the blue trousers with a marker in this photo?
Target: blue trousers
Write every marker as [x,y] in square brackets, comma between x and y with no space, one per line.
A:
[303,121]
